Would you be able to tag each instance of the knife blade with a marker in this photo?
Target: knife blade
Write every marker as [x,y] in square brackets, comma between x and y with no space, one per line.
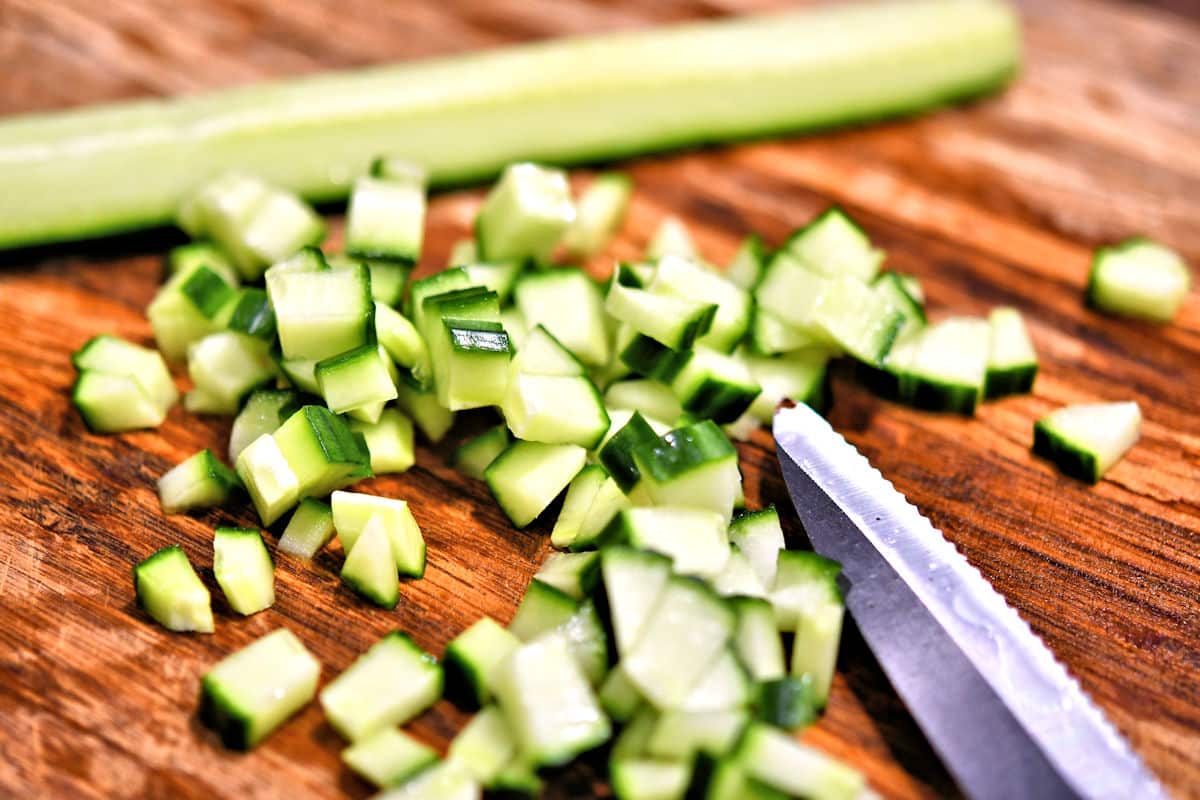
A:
[1004,716]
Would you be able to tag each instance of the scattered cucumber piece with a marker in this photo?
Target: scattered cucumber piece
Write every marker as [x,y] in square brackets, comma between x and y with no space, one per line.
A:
[463,252]
[200,481]
[1138,278]
[226,367]
[759,536]
[1085,440]
[543,608]
[472,656]
[787,703]
[319,314]
[648,779]
[269,480]
[680,735]
[800,376]
[473,457]
[570,305]
[399,337]
[575,574]
[264,411]
[114,355]
[834,245]
[695,465]
[756,639]
[170,591]
[671,238]
[186,258]
[352,512]
[244,569]
[650,397]
[370,565]
[386,219]
[633,581]
[525,214]
[422,406]
[724,686]
[746,268]
[485,746]
[682,277]
[715,386]
[445,780]
[738,578]
[322,451]
[1012,362]
[782,763]
[356,379]
[555,409]
[600,211]
[949,367]
[112,403]
[388,757]
[251,314]
[673,322]
[580,493]
[309,529]
[617,454]
[693,538]
[527,476]
[807,600]
[389,441]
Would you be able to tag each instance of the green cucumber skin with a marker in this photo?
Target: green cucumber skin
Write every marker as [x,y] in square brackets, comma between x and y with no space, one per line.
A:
[1011,380]
[545,101]
[1069,459]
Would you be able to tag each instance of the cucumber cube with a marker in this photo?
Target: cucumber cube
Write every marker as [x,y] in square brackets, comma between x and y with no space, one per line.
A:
[170,591]
[525,214]
[269,480]
[352,512]
[198,482]
[389,441]
[244,569]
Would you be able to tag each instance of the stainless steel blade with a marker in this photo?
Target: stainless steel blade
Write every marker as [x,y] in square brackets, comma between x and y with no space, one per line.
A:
[1004,715]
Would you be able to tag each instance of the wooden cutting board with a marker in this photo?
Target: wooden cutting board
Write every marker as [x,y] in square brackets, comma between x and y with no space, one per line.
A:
[999,203]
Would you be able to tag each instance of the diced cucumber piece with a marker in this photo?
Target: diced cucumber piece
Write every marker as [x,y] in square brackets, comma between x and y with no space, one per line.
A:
[569,304]
[116,356]
[388,279]
[787,703]
[671,238]
[679,735]
[633,582]
[580,494]
[355,379]
[388,685]
[575,574]
[588,641]
[398,336]
[309,529]
[800,376]
[525,214]
[320,314]
[388,757]
[834,245]
[608,501]
[759,536]
[112,403]
[650,359]
[807,600]
[695,465]
[1085,440]
[527,476]
[648,779]
[306,259]
[269,480]
[687,629]
[681,277]
[485,746]
[301,374]
[727,780]
[548,702]
[186,258]
[617,454]
[543,608]
[250,693]
[632,741]
[472,656]
[674,322]
[226,367]
[244,569]
[693,538]
[738,578]
[352,512]
[599,212]
[369,568]
[170,591]
[470,361]
[176,318]
[422,406]
[756,640]
[542,354]
[446,780]
[1012,362]
[251,314]
[746,267]
[369,413]
[386,219]
[650,397]
[892,287]
[448,280]
[200,481]
[619,698]
[716,386]
[555,409]
[500,276]
[389,441]
[473,456]
[725,685]
[322,451]
[781,762]
[463,252]
[949,366]
[1138,278]
[770,335]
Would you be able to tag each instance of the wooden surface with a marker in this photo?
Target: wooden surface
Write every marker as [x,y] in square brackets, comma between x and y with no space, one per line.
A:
[998,203]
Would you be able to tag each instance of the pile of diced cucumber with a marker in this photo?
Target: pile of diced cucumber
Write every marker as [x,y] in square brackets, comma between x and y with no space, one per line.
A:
[672,621]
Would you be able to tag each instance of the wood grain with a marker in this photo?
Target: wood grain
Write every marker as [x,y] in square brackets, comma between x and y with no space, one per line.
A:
[1001,202]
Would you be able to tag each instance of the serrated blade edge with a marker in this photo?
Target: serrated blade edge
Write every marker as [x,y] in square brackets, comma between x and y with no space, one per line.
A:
[1049,704]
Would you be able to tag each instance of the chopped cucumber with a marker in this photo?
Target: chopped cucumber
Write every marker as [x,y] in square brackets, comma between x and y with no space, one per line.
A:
[673,322]
[759,536]
[251,314]
[693,538]
[892,286]
[650,397]
[620,699]
[301,374]
[386,219]
[322,451]
[499,276]
[770,335]
[244,569]
[800,376]
[473,457]
[116,356]
[617,454]
[186,258]
[446,780]
[1086,440]
[485,746]
[527,476]
[695,465]
[745,270]
[681,277]
[714,385]
[950,364]
[548,702]
[679,735]
[799,770]
[807,600]
[756,639]
[422,406]
[581,493]
[599,213]
[388,685]
[671,238]
[269,480]
[727,780]
[111,403]
[1138,278]
[399,337]
[369,568]
[725,685]
[352,512]
[263,412]
[320,314]
[543,608]
[555,409]
[472,656]
[542,354]
[356,379]
[470,360]
[388,757]
[188,307]
[648,779]
[200,481]
[1012,362]
[249,694]
[525,214]
[738,578]
[833,245]
[226,367]
[389,441]
[170,591]
[309,529]
[608,501]
[633,582]
[462,253]
[569,304]
[788,702]
[575,574]
[588,641]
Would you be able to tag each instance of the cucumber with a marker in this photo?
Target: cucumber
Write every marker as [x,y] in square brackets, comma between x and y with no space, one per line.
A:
[756,639]
[169,590]
[892,287]
[356,379]
[570,306]
[471,360]
[693,538]
[322,451]
[200,481]
[671,238]
[422,406]
[770,335]
[498,276]
[787,703]
[680,735]
[445,780]
[681,277]
[648,779]
[587,640]
[385,219]
[1085,440]
[599,212]
[548,702]
[485,746]
[388,757]
[807,600]
[542,354]
[1138,278]
[555,409]
[251,314]
[186,258]
[250,693]
[388,685]
[617,453]
[949,367]
[727,780]
[799,770]
[1012,362]
[301,374]
[116,356]
[226,367]
[112,403]
[525,214]
[834,245]
[738,578]
[527,476]
[543,608]
[581,493]
[389,442]
[673,322]
[462,253]
[759,536]
[369,568]
[244,569]
[716,386]
[725,685]
[472,656]
[746,268]
[619,698]
[323,313]
[188,307]
[309,529]
[269,480]
[650,397]
[306,259]
[800,376]
[608,501]
[633,582]
[695,465]
[398,336]
[556,101]
[448,280]
[574,574]
[651,359]
[473,457]
[352,512]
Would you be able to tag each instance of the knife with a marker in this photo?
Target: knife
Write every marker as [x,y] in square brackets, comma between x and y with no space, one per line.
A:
[1004,716]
